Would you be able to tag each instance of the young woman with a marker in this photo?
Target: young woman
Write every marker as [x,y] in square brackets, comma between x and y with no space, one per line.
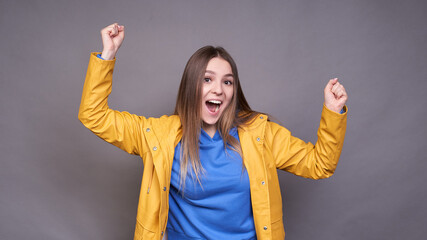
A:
[209,169]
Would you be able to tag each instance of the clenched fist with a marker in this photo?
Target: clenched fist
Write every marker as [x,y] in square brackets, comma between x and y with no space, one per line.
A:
[112,38]
[335,95]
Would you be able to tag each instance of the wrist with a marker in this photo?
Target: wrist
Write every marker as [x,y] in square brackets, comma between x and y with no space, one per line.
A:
[334,109]
[108,54]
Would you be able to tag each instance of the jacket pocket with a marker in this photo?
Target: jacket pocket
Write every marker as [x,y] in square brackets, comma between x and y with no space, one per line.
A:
[275,194]
[142,233]
[277,230]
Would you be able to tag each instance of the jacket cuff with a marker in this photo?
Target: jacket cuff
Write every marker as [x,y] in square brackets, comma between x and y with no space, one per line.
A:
[334,114]
[97,56]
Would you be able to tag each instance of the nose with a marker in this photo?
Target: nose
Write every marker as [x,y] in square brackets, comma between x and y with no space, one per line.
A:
[217,88]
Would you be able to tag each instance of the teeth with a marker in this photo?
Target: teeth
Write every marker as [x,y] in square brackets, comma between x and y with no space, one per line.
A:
[217,107]
[215,101]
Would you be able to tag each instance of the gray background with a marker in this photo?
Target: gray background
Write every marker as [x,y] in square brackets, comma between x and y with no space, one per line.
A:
[59,181]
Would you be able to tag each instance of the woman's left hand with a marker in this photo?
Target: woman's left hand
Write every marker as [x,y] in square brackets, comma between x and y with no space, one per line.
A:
[335,95]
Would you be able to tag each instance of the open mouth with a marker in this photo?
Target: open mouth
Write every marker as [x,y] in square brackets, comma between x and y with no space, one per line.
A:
[213,105]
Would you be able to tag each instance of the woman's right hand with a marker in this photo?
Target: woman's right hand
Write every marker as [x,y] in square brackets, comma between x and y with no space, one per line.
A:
[112,38]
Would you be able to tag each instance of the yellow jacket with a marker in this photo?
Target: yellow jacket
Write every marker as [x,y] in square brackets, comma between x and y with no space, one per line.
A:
[266,147]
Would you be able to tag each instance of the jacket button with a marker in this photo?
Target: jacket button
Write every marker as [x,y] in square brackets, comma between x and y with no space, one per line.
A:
[154,148]
[148,130]
[164,188]
[262,182]
[265,228]
[258,139]
[162,233]
[261,117]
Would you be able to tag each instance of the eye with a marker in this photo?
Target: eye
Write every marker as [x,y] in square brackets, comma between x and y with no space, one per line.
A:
[228,82]
[206,79]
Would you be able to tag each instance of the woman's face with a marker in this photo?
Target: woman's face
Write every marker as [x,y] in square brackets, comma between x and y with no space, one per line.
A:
[217,91]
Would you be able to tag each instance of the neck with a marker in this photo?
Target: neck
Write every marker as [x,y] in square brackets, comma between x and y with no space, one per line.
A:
[210,129]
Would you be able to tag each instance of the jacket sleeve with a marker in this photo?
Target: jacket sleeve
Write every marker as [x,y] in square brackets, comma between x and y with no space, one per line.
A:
[305,159]
[121,129]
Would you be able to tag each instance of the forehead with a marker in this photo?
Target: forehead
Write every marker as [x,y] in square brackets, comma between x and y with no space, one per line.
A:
[218,65]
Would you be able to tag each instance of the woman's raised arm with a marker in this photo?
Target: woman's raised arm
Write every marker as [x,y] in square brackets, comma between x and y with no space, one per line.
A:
[320,160]
[121,129]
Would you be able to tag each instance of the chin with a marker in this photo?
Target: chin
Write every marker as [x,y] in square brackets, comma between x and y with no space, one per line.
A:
[210,122]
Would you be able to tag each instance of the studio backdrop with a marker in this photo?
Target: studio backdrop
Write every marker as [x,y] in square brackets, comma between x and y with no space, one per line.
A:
[60,181]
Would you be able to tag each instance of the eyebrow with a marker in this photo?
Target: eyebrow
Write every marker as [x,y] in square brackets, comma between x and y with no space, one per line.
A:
[226,75]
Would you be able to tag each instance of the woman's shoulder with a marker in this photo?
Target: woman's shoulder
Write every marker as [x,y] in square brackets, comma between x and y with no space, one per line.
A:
[262,124]
[166,122]
[252,121]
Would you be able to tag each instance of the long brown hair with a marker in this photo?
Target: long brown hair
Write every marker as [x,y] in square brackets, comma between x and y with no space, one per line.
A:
[188,108]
